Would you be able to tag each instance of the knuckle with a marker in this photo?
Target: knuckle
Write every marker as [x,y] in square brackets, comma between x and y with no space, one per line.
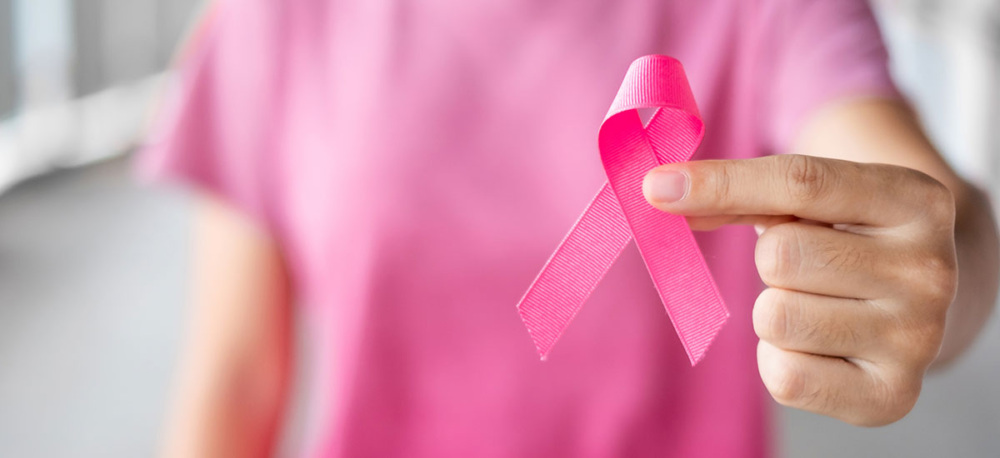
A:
[930,346]
[779,254]
[842,257]
[918,339]
[933,278]
[941,278]
[936,201]
[888,400]
[944,202]
[895,398]
[846,335]
[787,384]
[805,177]
[721,183]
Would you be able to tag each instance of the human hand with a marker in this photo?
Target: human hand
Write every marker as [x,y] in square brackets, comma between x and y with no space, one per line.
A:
[861,268]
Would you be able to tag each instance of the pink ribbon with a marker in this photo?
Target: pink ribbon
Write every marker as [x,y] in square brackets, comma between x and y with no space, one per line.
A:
[620,212]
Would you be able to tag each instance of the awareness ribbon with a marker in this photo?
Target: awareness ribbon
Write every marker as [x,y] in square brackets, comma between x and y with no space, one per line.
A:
[629,150]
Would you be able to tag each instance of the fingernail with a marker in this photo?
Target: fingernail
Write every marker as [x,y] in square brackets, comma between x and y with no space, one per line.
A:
[666,186]
[759,228]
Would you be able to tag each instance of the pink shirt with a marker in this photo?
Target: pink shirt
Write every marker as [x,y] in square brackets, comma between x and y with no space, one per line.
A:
[410,241]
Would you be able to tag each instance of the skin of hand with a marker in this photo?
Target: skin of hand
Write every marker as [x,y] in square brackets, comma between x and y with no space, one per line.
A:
[860,261]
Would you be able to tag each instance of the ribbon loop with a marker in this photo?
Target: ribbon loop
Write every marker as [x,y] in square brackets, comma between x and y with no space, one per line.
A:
[620,213]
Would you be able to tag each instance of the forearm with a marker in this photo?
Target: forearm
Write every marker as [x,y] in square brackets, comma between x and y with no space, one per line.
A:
[979,267]
[225,413]
[236,366]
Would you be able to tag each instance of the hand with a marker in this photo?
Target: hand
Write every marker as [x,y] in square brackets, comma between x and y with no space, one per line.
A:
[861,268]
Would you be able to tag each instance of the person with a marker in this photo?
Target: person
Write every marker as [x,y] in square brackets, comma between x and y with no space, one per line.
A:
[392,175]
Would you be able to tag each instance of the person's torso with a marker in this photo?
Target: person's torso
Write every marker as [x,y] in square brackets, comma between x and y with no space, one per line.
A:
[431,155]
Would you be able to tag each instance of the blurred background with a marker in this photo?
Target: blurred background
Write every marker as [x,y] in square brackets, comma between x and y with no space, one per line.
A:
[93,266]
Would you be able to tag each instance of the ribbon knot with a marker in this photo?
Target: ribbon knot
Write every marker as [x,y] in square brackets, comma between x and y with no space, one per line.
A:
[620,213]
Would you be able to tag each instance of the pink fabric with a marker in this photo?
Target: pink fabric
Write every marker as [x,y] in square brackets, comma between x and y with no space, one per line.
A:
[619,212]
[417,159]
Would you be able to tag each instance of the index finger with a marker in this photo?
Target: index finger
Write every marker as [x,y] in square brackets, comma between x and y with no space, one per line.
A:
[827,190]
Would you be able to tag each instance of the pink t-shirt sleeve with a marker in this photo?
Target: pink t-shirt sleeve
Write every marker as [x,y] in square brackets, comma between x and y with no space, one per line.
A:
[826,50]
[212,128]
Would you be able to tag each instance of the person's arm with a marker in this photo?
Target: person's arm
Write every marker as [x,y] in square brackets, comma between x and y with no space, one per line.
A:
[235,367]
[862,260]
[889,132]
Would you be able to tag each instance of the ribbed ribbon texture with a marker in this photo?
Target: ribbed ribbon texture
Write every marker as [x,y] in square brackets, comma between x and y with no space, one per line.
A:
[620,213]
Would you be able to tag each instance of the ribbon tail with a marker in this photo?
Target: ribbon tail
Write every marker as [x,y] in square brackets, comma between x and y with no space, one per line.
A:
[685,284]
[574,270]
